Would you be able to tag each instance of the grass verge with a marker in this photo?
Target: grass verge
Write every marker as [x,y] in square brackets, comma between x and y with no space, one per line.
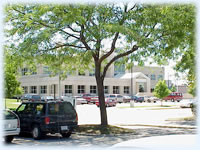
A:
[192,118]
[98,130]
[11,104]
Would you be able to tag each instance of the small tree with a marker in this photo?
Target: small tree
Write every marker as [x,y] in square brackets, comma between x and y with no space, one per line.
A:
[173,88]
[11,83]
[161,90]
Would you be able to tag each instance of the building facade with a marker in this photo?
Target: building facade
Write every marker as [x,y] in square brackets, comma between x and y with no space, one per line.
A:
[117,81]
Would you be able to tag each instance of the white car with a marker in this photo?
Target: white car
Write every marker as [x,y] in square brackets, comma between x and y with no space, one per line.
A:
[186,103]
[80,100]
[117,97]
[150,99]
[11,125]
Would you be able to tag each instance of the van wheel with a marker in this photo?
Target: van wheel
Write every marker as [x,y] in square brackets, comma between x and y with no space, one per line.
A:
[36,132]
[67,134]
[8,139]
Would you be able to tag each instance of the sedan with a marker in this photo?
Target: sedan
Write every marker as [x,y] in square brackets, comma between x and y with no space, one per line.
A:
[79,100]
[109,102]
[186,103]
[11,125]
[126,99]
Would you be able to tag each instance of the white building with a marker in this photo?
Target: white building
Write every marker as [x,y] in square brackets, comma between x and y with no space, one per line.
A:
[117,81]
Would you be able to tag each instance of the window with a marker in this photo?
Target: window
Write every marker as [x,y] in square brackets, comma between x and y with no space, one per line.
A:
[33,89]
[115,89]
[141,88]
[46,70]
[24,71]
[119,69]
[160,77]
[153,77]
[68,89]
[126,89]
[92,73]
[81,89]
[43,89]
[106,89]
[25,89]
[93,89]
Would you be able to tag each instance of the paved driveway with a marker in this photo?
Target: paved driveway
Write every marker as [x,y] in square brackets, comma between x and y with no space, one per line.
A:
[120,115]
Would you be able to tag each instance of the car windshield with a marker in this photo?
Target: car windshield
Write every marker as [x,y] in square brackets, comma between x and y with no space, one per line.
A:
[111,95]
[60,108]
[37,97]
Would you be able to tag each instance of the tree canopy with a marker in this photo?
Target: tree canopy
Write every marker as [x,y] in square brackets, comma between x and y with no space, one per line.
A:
[85,36]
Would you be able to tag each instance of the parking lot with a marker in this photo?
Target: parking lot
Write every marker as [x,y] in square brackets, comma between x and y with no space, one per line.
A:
[123,115]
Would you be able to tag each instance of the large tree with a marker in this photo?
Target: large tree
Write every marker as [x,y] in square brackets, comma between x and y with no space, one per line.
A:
[99,35]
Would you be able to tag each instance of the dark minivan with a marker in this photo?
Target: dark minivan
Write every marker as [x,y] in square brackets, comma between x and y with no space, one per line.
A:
[42,117]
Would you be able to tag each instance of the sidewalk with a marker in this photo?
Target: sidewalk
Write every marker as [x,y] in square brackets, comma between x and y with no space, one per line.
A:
[161,142]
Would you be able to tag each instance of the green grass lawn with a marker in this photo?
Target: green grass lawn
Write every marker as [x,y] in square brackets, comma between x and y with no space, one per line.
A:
[12,103]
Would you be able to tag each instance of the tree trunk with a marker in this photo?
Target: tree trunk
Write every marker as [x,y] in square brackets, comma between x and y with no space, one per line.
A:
[100,87]
[102,105]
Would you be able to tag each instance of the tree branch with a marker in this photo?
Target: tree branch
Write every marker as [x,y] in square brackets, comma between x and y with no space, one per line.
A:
[134,48]
[82,38]
[112,48]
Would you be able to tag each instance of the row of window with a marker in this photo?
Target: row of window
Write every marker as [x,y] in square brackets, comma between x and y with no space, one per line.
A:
[153,77]
[25,71]
[69,90]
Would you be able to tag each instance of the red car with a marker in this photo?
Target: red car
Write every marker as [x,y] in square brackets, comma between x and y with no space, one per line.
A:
[174,96]
[87,97]
[108,102]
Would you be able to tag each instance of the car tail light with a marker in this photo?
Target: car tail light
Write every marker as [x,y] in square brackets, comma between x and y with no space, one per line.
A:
[47,120]
[18,123]
[76,117]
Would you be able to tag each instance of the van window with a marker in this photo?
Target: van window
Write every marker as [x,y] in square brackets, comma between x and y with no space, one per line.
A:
[60,108]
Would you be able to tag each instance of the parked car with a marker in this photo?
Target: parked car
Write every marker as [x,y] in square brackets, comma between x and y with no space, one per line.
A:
[94,99]
[46,98]
[80,100]
[87,97]
[42,117]
[194,107]
[11,125]
[186,103]
[31,97]
[138,99]
[109,102]
[126,99]
[117,97]
[150,99]
[174,96]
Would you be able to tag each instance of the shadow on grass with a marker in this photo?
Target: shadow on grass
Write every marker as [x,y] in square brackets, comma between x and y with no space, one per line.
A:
[99,129]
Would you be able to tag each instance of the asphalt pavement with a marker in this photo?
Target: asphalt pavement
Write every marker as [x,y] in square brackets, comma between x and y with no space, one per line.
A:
[148,120]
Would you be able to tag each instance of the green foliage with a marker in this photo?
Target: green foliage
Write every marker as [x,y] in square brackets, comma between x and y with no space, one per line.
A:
[160,31]
[11,83]
[187,65]
[173,89]
[161,90]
